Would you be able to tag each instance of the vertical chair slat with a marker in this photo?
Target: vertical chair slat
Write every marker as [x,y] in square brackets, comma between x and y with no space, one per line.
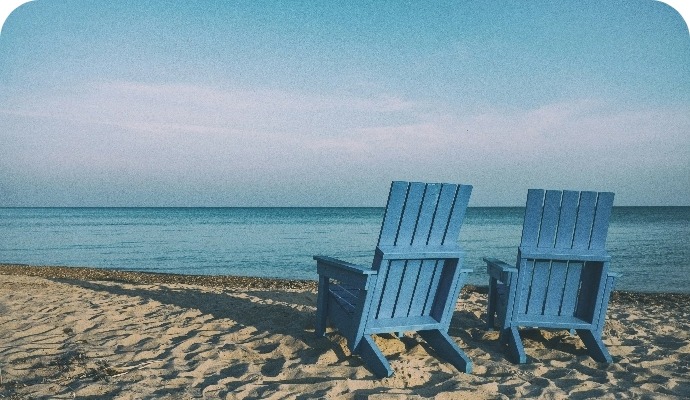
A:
[610,279]
[527,273]
[426,214]
[455,281]
[554,290]
[410,215]
[444,289]
[390,289]
[393,214]
[426,274]
[549,218]
[571,289]
[585,217]
[532,220]
[429,302]
[537,295]
[566,221]
[589,287]
[446,200]
[457,214]
[407,288]
[601,221]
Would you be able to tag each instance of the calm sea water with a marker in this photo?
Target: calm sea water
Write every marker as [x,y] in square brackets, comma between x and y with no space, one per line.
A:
[650,246]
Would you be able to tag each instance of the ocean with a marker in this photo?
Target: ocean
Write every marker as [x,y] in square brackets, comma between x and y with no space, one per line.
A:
[650,246]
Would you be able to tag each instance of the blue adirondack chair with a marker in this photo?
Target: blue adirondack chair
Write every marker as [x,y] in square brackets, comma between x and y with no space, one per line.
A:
[414,280]
[562,277]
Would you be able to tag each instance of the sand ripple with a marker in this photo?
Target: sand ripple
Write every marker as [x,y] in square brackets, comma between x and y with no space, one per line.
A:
[62,338]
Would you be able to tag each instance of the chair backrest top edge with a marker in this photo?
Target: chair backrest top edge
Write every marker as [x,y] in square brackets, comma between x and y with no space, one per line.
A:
[420,214]
[566,219]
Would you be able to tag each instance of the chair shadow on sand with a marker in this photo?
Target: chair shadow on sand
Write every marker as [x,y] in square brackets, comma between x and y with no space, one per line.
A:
[264,316]
[272,315]
[471,329]
[268,313]
[263,320]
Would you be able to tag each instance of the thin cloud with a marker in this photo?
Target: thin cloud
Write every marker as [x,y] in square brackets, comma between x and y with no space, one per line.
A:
[171,133]
[197,110]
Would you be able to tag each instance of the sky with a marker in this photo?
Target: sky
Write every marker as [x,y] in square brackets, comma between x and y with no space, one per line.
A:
[324,103]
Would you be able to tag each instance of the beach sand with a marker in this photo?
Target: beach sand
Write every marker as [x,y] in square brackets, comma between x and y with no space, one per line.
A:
[83,333]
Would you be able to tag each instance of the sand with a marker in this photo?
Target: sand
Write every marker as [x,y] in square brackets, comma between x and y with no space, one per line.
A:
[92,334]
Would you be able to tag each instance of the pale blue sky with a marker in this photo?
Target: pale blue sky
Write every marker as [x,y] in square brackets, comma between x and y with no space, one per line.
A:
[323,103]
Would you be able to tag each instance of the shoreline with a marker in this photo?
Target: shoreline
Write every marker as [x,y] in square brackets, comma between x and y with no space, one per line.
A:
[246,282]
[137,277]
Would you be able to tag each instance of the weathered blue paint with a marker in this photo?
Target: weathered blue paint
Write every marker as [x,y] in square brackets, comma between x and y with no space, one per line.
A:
[561,279]
[414,281]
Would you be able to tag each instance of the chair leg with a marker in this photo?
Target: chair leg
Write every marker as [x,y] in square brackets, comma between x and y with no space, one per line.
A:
[446,348]
[516,350]
[491,307]
[595,347]
[373,358]
[321,306]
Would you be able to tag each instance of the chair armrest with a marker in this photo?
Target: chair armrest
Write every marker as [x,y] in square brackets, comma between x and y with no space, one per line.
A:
[419,252]
[332,268]
[564,254]
[329,262]
[499,270]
